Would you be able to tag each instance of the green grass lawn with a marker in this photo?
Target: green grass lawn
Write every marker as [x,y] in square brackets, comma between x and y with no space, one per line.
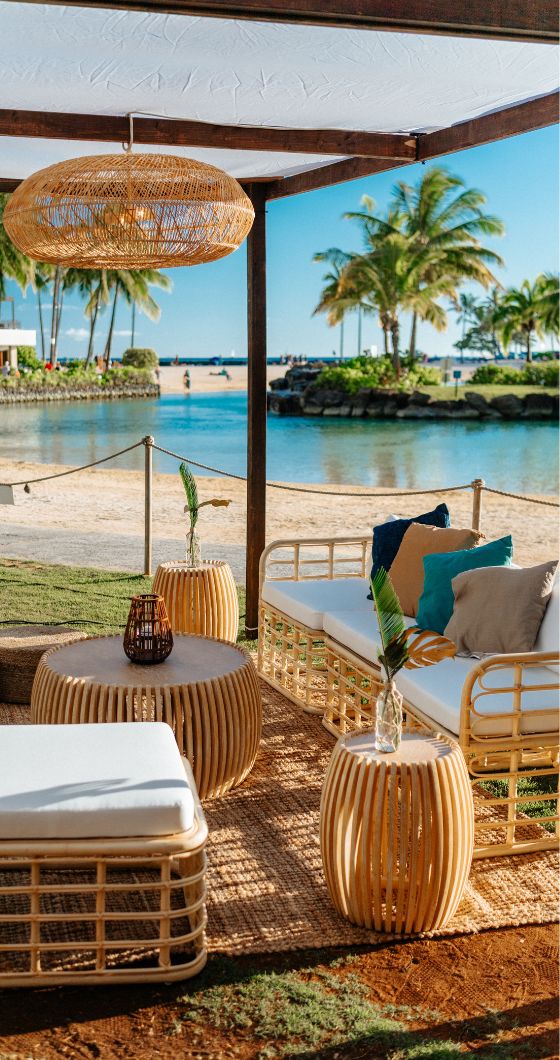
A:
[488,391]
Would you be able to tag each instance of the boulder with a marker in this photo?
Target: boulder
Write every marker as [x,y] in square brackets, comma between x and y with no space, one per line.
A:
[332,411]
[448,410]
[279,384]
[478,402]
[540,407]
[508,405]
[285,404]
[416,412]
[311,410]
[418,398]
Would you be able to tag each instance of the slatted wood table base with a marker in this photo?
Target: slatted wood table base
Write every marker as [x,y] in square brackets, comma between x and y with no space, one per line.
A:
[397,832]
[206,690]
[200,599]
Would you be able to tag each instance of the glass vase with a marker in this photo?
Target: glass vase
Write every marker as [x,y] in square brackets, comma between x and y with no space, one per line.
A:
[388,719]
[193,554]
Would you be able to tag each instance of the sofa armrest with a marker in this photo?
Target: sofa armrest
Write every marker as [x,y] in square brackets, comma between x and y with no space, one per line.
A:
[311,558]
[515,684]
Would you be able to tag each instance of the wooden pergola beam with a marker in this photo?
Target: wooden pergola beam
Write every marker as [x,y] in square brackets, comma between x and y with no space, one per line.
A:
[521,20]
[524,117]
[174,132]
[512,121]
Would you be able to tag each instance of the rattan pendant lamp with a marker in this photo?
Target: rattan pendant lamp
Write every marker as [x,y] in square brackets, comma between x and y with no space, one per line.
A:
[128,211]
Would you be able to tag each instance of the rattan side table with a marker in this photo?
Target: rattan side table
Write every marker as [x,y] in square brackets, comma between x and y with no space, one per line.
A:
[200,599]
[206,690]
[397,832]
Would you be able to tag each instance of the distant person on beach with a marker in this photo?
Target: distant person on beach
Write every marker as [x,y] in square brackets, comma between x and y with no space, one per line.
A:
[187,379]
[5,370]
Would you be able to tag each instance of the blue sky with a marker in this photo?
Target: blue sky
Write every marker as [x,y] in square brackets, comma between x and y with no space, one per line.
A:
[205,314]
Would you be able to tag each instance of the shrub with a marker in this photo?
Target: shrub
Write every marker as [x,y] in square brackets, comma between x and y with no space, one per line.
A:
[361,373]
[119,375]
[545,374]
[27,357]
[140,358]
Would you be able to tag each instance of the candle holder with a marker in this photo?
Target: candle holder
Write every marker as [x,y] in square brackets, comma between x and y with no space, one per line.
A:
[148,638]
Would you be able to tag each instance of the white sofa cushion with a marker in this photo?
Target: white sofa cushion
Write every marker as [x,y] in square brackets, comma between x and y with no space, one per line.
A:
[79,781]
[307,601]
[436,691]
[357,630]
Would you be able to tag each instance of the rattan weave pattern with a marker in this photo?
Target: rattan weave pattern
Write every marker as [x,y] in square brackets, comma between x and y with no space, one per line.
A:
[128,211]
[266,889]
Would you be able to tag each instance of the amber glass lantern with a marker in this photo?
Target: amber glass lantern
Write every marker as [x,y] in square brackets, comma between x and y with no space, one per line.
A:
[148,638]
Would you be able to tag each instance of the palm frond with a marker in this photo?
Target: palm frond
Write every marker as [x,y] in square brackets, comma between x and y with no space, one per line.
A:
[391,624]
[191,491]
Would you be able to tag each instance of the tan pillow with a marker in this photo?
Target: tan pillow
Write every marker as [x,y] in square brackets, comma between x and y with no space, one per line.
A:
[407,569]
[499,609]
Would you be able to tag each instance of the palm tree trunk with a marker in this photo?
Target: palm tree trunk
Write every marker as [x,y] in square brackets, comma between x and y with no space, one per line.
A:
[133,325]
[386,340]
[109,342]
[396,358]
[92,323]
[58,316]
[528,348]
[41,325]
[342,339]
[359,330]
[54,317]
[412,347]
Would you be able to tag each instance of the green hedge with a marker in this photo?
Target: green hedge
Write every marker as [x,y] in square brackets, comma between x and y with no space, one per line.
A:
[135,357]
[361,373]
[543,374]
[77,377]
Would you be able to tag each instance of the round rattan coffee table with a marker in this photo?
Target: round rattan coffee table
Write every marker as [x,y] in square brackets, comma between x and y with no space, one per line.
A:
[207,691]
[200,599]
[397,832]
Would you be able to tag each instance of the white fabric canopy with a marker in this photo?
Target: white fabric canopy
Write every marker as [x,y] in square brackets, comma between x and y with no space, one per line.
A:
[249,73]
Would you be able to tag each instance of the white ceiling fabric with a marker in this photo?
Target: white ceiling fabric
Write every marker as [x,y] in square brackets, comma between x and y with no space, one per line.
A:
[250,73]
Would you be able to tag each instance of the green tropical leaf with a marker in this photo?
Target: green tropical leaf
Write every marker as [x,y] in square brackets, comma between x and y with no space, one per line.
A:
[191,491]
[390,619]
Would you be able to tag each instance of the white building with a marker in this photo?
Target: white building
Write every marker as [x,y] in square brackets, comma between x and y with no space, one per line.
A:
[10,338]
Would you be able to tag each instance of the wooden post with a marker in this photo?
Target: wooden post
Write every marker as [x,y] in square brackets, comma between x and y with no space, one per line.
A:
[478,485]
[256,416]
[148,443]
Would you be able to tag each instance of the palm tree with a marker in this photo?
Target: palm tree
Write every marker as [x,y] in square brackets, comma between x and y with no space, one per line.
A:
[392,277]
[528,310]
[550,299]
[133,285]
[340,296]
[13,264]
[42,275]
[444,218]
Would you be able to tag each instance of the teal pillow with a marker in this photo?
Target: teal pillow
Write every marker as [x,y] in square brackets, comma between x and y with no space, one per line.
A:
[436,603]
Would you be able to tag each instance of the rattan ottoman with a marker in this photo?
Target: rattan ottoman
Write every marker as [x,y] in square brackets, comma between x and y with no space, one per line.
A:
[397,832]
[200,599]
[102,857]
[21,648]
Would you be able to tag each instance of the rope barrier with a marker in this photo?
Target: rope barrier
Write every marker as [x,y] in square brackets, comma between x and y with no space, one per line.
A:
[73,470]
[319,492]
[342,493]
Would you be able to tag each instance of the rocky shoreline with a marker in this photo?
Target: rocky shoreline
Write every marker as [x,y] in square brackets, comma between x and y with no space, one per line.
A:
[299,394]
[28,394]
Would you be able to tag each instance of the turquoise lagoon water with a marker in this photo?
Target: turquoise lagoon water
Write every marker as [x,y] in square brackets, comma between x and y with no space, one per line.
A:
[522,457]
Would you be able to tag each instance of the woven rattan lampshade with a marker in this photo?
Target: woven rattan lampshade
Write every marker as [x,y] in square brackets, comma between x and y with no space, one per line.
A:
[129,211]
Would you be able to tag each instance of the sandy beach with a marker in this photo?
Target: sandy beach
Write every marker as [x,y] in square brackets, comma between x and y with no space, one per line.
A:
[206,379]
[96,518]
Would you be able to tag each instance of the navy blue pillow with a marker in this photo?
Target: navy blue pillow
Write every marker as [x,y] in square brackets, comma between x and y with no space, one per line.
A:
[387,537]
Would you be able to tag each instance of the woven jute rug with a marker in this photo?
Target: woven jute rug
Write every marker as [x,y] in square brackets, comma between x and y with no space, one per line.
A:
[265,882]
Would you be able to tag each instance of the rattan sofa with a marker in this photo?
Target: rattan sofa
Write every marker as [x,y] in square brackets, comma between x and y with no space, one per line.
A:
[318,641]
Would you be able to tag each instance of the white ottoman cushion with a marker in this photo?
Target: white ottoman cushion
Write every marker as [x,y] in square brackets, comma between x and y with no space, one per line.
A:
[79,781]
[307,601]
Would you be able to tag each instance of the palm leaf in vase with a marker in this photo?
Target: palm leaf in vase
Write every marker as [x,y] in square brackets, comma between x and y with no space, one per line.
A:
[392,629]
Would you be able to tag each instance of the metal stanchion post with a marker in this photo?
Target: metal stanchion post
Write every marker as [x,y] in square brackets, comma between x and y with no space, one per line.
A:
[148,442]
[478,485]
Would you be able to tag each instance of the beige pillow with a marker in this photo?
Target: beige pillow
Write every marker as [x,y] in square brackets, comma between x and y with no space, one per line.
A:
[499,609]
[407,569]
